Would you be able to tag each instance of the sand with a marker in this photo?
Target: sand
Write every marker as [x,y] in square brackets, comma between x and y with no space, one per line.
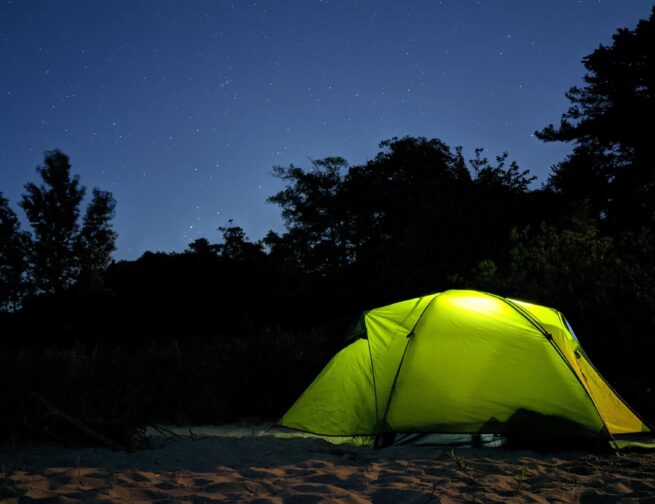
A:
[249,464]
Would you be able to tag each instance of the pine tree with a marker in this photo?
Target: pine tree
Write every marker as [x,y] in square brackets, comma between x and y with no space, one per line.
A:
[61,252]
[97,239]
[610,124]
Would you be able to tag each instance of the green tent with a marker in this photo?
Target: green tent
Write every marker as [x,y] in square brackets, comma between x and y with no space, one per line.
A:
[462,361]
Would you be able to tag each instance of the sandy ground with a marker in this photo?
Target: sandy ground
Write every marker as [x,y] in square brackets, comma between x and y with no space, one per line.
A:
[248,464]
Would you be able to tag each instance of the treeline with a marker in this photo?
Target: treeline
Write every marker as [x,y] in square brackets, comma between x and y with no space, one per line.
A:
[234,328]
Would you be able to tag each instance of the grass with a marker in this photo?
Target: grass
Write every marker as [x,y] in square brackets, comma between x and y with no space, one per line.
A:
[117,390]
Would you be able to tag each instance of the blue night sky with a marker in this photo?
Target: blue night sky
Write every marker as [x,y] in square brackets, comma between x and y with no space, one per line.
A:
[181,109]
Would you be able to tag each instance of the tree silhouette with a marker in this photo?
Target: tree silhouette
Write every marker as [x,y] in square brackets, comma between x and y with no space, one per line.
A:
[236,246]
[13,250]
[62,253]
[96,240]
[608,122]
[52,209]
[415,212]
[499,177]
[202,247]
[314,211]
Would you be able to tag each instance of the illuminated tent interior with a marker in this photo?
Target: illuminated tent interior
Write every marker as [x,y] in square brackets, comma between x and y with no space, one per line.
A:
[463,362]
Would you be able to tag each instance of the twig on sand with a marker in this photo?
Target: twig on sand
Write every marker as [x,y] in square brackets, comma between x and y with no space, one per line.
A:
[467,468]
[79,472]
[520,479]
[44,430]
[166,433]
[139,439]
[80,426]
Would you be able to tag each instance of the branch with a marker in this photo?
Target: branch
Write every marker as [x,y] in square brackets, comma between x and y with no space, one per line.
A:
[80,426]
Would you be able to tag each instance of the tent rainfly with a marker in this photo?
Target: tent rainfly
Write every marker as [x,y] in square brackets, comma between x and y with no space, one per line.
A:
[463,361]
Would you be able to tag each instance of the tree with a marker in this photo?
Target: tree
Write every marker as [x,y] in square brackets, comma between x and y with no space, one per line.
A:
[53,210]
[500,177]
[413,212]
[315,214]
[609,124]
[60,252]
[236,246]
[96,240]
[13,266]
[202,247]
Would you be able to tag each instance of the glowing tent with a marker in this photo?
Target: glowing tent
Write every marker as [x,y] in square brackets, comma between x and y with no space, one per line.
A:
[462,362]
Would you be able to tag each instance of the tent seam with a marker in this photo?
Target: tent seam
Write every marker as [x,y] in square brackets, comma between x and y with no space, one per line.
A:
[549,337]
[646,424]
[609,386]
[402,359]
[375,388]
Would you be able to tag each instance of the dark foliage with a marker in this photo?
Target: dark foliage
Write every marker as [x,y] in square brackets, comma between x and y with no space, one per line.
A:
[610,124]
[96,241]
[13,263]
[53,210]
[59,253]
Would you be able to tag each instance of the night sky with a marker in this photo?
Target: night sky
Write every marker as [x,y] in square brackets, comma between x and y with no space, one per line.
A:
[181,109]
